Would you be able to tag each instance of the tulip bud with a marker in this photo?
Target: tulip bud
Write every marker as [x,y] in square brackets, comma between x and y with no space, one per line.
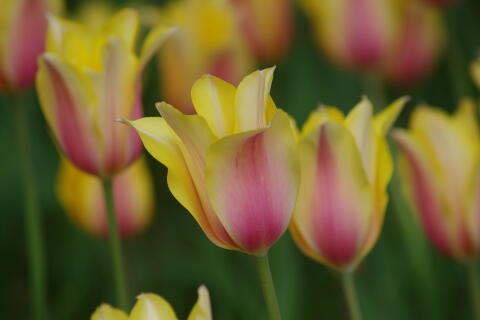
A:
[89,78]
[353,33]
[81,195]
[207,42]
[267,25]
[440,171]
[233,164]
[345,168]
[417,43]
[23,26]
[150,306]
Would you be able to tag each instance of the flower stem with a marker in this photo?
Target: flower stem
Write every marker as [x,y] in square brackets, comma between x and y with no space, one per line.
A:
[263,267]
[474,279]
[115,247]
[375,90]
[351,295]
[33,223]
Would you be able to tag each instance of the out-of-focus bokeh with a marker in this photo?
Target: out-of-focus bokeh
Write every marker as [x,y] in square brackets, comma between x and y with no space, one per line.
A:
[326,52]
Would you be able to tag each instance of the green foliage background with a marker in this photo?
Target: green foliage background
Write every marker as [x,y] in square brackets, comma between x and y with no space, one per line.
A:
[402,278]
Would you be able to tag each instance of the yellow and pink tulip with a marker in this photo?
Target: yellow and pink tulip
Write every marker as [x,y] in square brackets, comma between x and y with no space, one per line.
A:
[150,306]
[207,41]
[416,45]
[233,164]
[267,25]
[345,168]
[440,171]
[81,195]
[23,27]
[353,33]
[87,79]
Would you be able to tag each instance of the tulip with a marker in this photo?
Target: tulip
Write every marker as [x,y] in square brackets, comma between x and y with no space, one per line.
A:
[440,172]
[207,42]
[353,33]
[23,25]
[81,195]
[232,165]
[150,306]
[416,45]
[267,25]
[345,167]
[87,79]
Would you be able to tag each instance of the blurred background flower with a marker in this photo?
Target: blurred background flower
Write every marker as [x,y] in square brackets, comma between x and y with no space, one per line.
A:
[23,26]
[81,195]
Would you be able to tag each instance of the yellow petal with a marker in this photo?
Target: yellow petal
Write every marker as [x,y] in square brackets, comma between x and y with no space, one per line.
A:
[124,26]
[214,100]
[152,307]
[202,309]
[385,118]
[359,121]
[253,105]
[155,39]
[107,312]
[319,116]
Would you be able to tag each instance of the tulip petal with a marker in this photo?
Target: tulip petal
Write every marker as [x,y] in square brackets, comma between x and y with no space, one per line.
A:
[359,121]
[124,26]
[252,183]
[118,94]
[383,120]
[319,116]
[107,312]
[153,42]
[202,309]
[334,207]
[214,100]
[164,145]
[253,105]
[424,193]
[149,306]
[66,102]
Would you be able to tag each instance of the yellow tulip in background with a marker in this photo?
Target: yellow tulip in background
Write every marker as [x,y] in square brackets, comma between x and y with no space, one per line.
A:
[86,80]
[440,171]
[150,306]
[23,25]
[81,195]
[267,25]
[208,41]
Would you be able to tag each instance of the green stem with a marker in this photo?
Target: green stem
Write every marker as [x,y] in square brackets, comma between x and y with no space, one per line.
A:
[33,223]
[263,267]
[474,279]
[115,247]
[351,295]
[375,90]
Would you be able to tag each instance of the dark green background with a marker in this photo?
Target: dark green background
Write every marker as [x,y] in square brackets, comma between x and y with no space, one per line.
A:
[402,278]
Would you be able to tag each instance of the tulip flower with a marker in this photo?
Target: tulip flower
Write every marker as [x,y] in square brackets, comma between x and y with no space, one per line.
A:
[81,195]
[232,165]
[345,168]
[86,80]
[353,33]
[150,306]
[23,26]
[207,42]
[416,45]
[267,25]
[440,172]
